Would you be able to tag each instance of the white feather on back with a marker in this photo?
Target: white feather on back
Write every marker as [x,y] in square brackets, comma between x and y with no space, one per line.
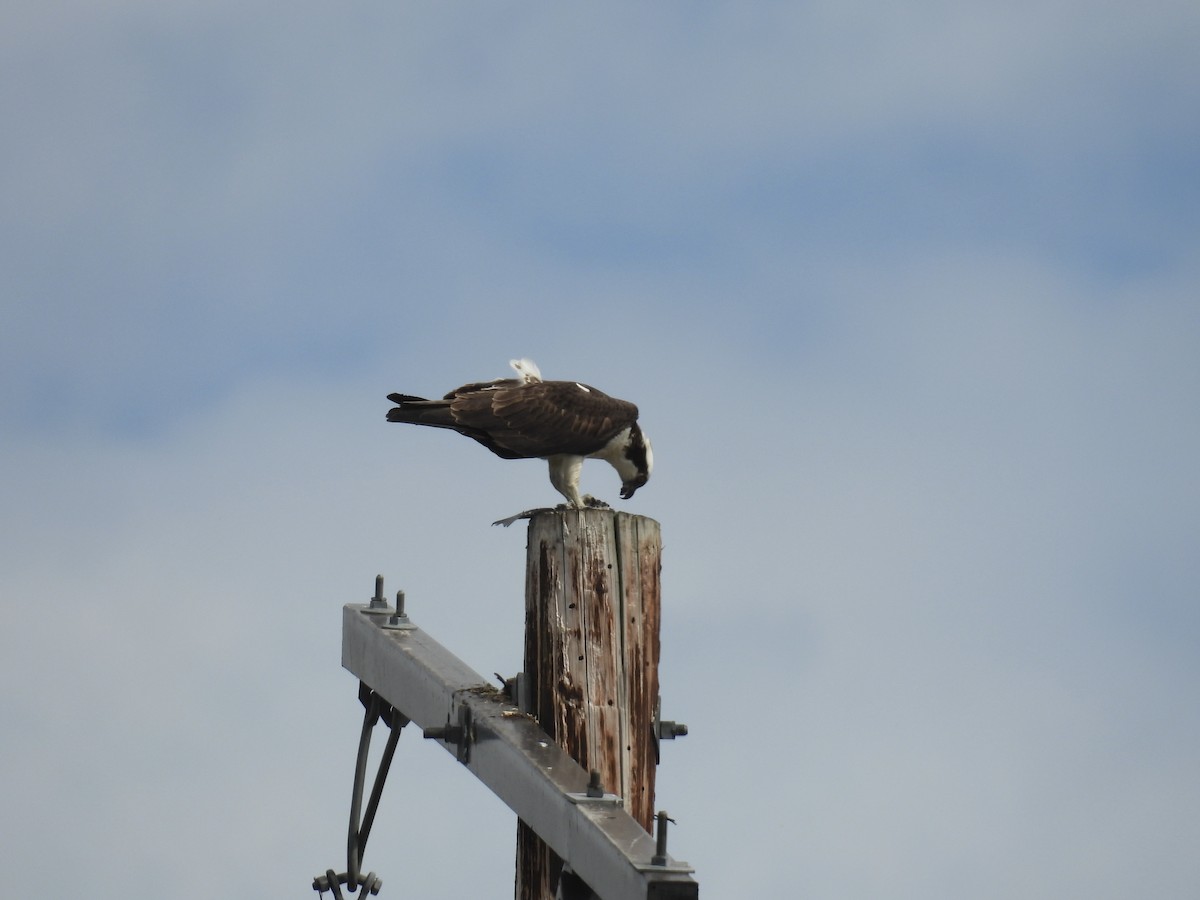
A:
[527,369]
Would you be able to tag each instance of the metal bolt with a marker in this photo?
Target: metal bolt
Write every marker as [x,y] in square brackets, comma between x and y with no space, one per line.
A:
[399,617]
[595,788]
[664,729]
[660,845]
[674,729]
[377,602]
[451,734]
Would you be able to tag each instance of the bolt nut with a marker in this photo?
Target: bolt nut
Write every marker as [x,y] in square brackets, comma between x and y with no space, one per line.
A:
[595,788]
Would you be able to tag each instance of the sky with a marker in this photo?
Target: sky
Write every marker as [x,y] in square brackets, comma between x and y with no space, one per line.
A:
[909,299]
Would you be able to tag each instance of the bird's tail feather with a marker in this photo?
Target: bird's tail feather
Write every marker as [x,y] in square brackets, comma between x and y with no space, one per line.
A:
[419,411]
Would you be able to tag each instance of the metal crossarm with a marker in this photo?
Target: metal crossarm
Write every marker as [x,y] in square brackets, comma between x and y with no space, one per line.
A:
[511,754]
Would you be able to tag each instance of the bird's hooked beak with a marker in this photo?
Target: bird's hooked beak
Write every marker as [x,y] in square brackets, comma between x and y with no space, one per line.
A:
[639,457]
[629,487]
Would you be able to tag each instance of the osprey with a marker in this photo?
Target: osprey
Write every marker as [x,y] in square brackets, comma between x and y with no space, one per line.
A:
[563,422]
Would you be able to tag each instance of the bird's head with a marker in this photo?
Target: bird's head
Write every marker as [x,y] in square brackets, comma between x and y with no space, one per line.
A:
[636,462]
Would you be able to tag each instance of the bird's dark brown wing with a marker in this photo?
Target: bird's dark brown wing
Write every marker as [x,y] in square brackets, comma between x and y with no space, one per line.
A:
[542,418]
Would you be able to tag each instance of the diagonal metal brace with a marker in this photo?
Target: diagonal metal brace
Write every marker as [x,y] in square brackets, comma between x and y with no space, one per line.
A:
[359,830]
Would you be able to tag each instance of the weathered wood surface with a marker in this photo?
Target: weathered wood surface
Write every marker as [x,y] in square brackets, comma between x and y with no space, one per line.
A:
[592,593]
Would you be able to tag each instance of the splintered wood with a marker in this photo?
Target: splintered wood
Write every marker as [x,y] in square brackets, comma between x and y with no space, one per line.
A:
[591,651]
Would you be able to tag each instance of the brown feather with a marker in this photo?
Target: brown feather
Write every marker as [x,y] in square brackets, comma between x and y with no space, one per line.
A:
[543,418]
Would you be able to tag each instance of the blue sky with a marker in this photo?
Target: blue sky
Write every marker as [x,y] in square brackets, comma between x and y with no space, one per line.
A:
[908,300]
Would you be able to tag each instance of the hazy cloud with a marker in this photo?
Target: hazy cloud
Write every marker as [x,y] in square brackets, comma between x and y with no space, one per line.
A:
[906,299]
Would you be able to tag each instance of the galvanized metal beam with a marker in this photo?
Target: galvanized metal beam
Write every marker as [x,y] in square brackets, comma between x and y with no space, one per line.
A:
[510,753]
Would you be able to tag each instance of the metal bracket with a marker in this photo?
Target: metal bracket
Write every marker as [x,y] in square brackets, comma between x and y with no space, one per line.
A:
[460,735]
[360,822]
[519,690]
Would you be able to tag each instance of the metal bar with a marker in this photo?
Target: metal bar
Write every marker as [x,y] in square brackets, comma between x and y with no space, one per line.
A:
[514,757]
[332,879]
[385,762]
[360,822]
[353,845]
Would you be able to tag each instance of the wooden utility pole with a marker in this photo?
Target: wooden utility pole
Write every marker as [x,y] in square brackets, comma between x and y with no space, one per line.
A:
[591,653]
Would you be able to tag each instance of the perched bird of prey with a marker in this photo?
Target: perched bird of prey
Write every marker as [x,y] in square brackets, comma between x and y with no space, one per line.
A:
[563,422]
